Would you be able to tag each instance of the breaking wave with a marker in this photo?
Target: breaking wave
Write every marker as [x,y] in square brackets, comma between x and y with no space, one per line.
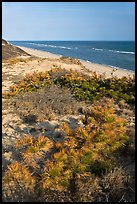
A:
[115,51]
[45,45]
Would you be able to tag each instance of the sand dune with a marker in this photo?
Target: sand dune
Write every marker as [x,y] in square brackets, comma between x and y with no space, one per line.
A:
[101,69]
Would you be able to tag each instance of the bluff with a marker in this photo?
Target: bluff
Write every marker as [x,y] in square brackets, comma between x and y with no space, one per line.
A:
[11,51]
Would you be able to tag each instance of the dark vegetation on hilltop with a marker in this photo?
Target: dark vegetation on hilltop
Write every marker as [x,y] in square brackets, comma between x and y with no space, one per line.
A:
[10,51]
[84,165]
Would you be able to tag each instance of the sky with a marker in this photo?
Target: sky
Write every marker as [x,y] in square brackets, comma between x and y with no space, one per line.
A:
[68,21]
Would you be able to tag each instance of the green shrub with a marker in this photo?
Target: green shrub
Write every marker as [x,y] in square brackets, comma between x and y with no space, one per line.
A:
[83,150]
[83,87]
[72,168]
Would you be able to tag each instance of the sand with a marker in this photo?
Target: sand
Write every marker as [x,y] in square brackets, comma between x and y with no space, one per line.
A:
[101,69]
[13,127]
[44,61]
[39,53]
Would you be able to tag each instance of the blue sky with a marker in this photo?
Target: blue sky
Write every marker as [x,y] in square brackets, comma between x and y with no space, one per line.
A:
[68,20]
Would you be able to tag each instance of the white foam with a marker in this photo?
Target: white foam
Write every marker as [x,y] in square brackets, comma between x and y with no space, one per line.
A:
[88,61]
[122,52]
[115,51]
[45,45]
[97,49]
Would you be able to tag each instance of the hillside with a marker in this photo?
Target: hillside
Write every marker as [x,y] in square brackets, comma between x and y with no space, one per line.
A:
[10,51]
[68,133]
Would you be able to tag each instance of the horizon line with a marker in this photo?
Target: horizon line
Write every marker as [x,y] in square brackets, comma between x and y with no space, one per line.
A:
[75,40]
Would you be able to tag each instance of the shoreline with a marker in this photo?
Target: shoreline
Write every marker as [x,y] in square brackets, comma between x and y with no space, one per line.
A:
[99,68]
[40,53]
[110,66]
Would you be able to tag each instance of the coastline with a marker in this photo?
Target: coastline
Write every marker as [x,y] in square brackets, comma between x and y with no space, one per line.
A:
[40,53]
[99,68]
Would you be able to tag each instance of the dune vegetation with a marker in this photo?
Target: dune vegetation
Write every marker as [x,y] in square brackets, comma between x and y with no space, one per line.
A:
[86,163]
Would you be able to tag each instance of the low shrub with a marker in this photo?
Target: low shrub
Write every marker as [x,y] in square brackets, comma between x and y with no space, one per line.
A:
[114,183]
[111,187]
[29,84]
[70,60]
[47,103]
[97,87]
[88,188]
[83,87]
[56,166]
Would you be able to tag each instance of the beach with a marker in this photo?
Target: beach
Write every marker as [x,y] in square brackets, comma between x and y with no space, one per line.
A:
[100,69]
[44,61]
[47,109]
[68,102]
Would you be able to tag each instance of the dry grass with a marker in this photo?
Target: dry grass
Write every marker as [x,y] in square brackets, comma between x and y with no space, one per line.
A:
[88,188]
[44,104]
[72,172]
[70,60]
[111,187]
[131,145]
[16,60]
[114,184]
[10,51]
[84,174]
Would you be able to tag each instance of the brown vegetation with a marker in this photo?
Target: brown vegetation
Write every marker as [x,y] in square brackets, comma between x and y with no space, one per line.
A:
[10,51]
[87,163]
[47,103]
[81,167]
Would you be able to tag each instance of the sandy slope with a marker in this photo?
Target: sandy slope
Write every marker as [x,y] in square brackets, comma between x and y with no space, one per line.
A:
[12,72]
[12,125]
[45,61]
[101,69]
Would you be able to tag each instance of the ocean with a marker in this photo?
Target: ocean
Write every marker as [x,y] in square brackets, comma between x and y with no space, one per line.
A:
[120,54]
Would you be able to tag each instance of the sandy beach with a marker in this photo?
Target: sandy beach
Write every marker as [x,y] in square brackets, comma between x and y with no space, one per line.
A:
[68,102]
[39,53]
[101,69]
[14,126]
[44,61]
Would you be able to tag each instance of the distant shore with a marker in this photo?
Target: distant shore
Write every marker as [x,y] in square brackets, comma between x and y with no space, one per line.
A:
[100,69]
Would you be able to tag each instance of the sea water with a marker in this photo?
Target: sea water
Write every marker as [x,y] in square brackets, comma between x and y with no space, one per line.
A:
[119,54]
